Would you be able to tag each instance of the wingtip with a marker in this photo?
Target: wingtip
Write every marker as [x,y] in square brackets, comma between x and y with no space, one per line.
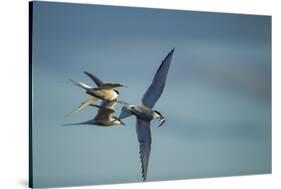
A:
[85,72]
[66,124]
[73,82]
[143,177]
[142,171]
[170,53]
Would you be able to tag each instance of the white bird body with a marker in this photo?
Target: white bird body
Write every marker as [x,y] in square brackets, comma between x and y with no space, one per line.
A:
[104,94]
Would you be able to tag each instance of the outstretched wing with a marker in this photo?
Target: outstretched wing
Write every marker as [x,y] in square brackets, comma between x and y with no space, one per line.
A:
[110,86]
[81,85]
[94,78]
[83,105]
[125,112]
[144,138]
[157,86]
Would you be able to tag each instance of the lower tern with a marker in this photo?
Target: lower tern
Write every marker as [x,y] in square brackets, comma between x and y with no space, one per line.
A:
[104,116]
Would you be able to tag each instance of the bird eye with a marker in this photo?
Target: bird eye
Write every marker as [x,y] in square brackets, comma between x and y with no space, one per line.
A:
[117,92]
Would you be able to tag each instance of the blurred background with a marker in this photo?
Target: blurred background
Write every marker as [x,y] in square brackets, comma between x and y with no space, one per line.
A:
[217,99]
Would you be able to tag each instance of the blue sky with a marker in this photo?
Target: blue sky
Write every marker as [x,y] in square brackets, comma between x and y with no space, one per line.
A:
[217,99]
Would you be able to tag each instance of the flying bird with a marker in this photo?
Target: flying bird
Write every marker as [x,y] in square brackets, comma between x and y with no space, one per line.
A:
[145,113]
[103,91]
[104,116]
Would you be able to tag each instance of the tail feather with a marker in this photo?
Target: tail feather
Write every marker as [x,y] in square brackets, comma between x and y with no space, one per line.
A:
[82,85]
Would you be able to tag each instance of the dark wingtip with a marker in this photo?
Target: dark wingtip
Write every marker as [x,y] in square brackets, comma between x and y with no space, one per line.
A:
[142,169]
[87,73]
[169,54]
[73,82]
[143,177]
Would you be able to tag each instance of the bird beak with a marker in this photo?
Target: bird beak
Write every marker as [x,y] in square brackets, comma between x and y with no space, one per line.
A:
[162,121]
[125,86]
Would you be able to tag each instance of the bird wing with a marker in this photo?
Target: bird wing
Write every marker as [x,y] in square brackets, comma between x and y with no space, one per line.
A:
[110,86]
[84,105]
[156,88]
[81,84]
[125,112]
[144,138]
[94,78]
[105,110]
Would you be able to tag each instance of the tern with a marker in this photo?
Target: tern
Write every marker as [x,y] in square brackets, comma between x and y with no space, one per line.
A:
[104,91]
[145,113]
[104,116]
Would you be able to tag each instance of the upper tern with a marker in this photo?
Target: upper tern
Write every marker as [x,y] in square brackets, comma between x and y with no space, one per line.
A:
[104,91]
[144,112]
